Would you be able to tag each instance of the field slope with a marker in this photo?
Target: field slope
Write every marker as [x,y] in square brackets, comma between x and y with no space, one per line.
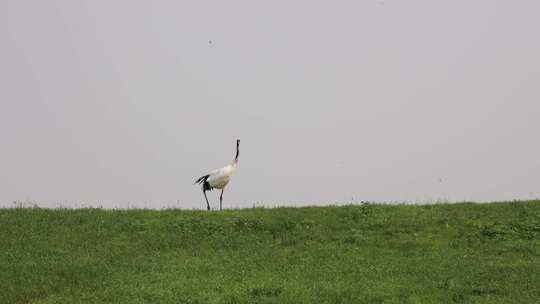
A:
[462,253]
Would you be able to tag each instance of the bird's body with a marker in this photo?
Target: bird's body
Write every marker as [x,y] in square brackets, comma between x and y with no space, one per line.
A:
[219,178]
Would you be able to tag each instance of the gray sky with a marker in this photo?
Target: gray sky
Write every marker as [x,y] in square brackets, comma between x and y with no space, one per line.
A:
[125,103]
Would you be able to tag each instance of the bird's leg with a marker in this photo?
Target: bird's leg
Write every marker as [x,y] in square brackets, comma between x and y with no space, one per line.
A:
[207,204]
[221,198]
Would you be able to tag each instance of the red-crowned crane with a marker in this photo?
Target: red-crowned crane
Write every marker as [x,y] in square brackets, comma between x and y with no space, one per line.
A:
[219,178]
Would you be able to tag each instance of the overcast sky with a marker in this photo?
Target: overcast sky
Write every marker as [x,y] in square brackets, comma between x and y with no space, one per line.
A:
[126,103]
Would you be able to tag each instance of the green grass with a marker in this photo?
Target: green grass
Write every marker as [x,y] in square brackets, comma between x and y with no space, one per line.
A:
[444,253]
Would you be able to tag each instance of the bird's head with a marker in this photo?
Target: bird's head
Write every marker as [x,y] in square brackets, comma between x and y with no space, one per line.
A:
[238,142]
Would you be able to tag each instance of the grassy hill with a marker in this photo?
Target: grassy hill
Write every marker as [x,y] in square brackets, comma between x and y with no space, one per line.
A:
[478,253]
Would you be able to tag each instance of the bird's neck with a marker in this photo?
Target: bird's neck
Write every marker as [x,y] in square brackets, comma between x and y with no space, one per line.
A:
[237,154]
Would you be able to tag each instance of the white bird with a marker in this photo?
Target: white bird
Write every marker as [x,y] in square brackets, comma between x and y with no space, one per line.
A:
[219,178]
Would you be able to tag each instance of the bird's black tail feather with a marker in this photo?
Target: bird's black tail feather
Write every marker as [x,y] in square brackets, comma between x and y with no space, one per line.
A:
[202,179]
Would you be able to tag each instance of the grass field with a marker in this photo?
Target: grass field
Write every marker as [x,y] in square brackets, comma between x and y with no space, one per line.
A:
[444,253]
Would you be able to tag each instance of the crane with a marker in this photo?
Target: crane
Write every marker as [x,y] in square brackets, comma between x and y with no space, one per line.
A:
[219,178]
